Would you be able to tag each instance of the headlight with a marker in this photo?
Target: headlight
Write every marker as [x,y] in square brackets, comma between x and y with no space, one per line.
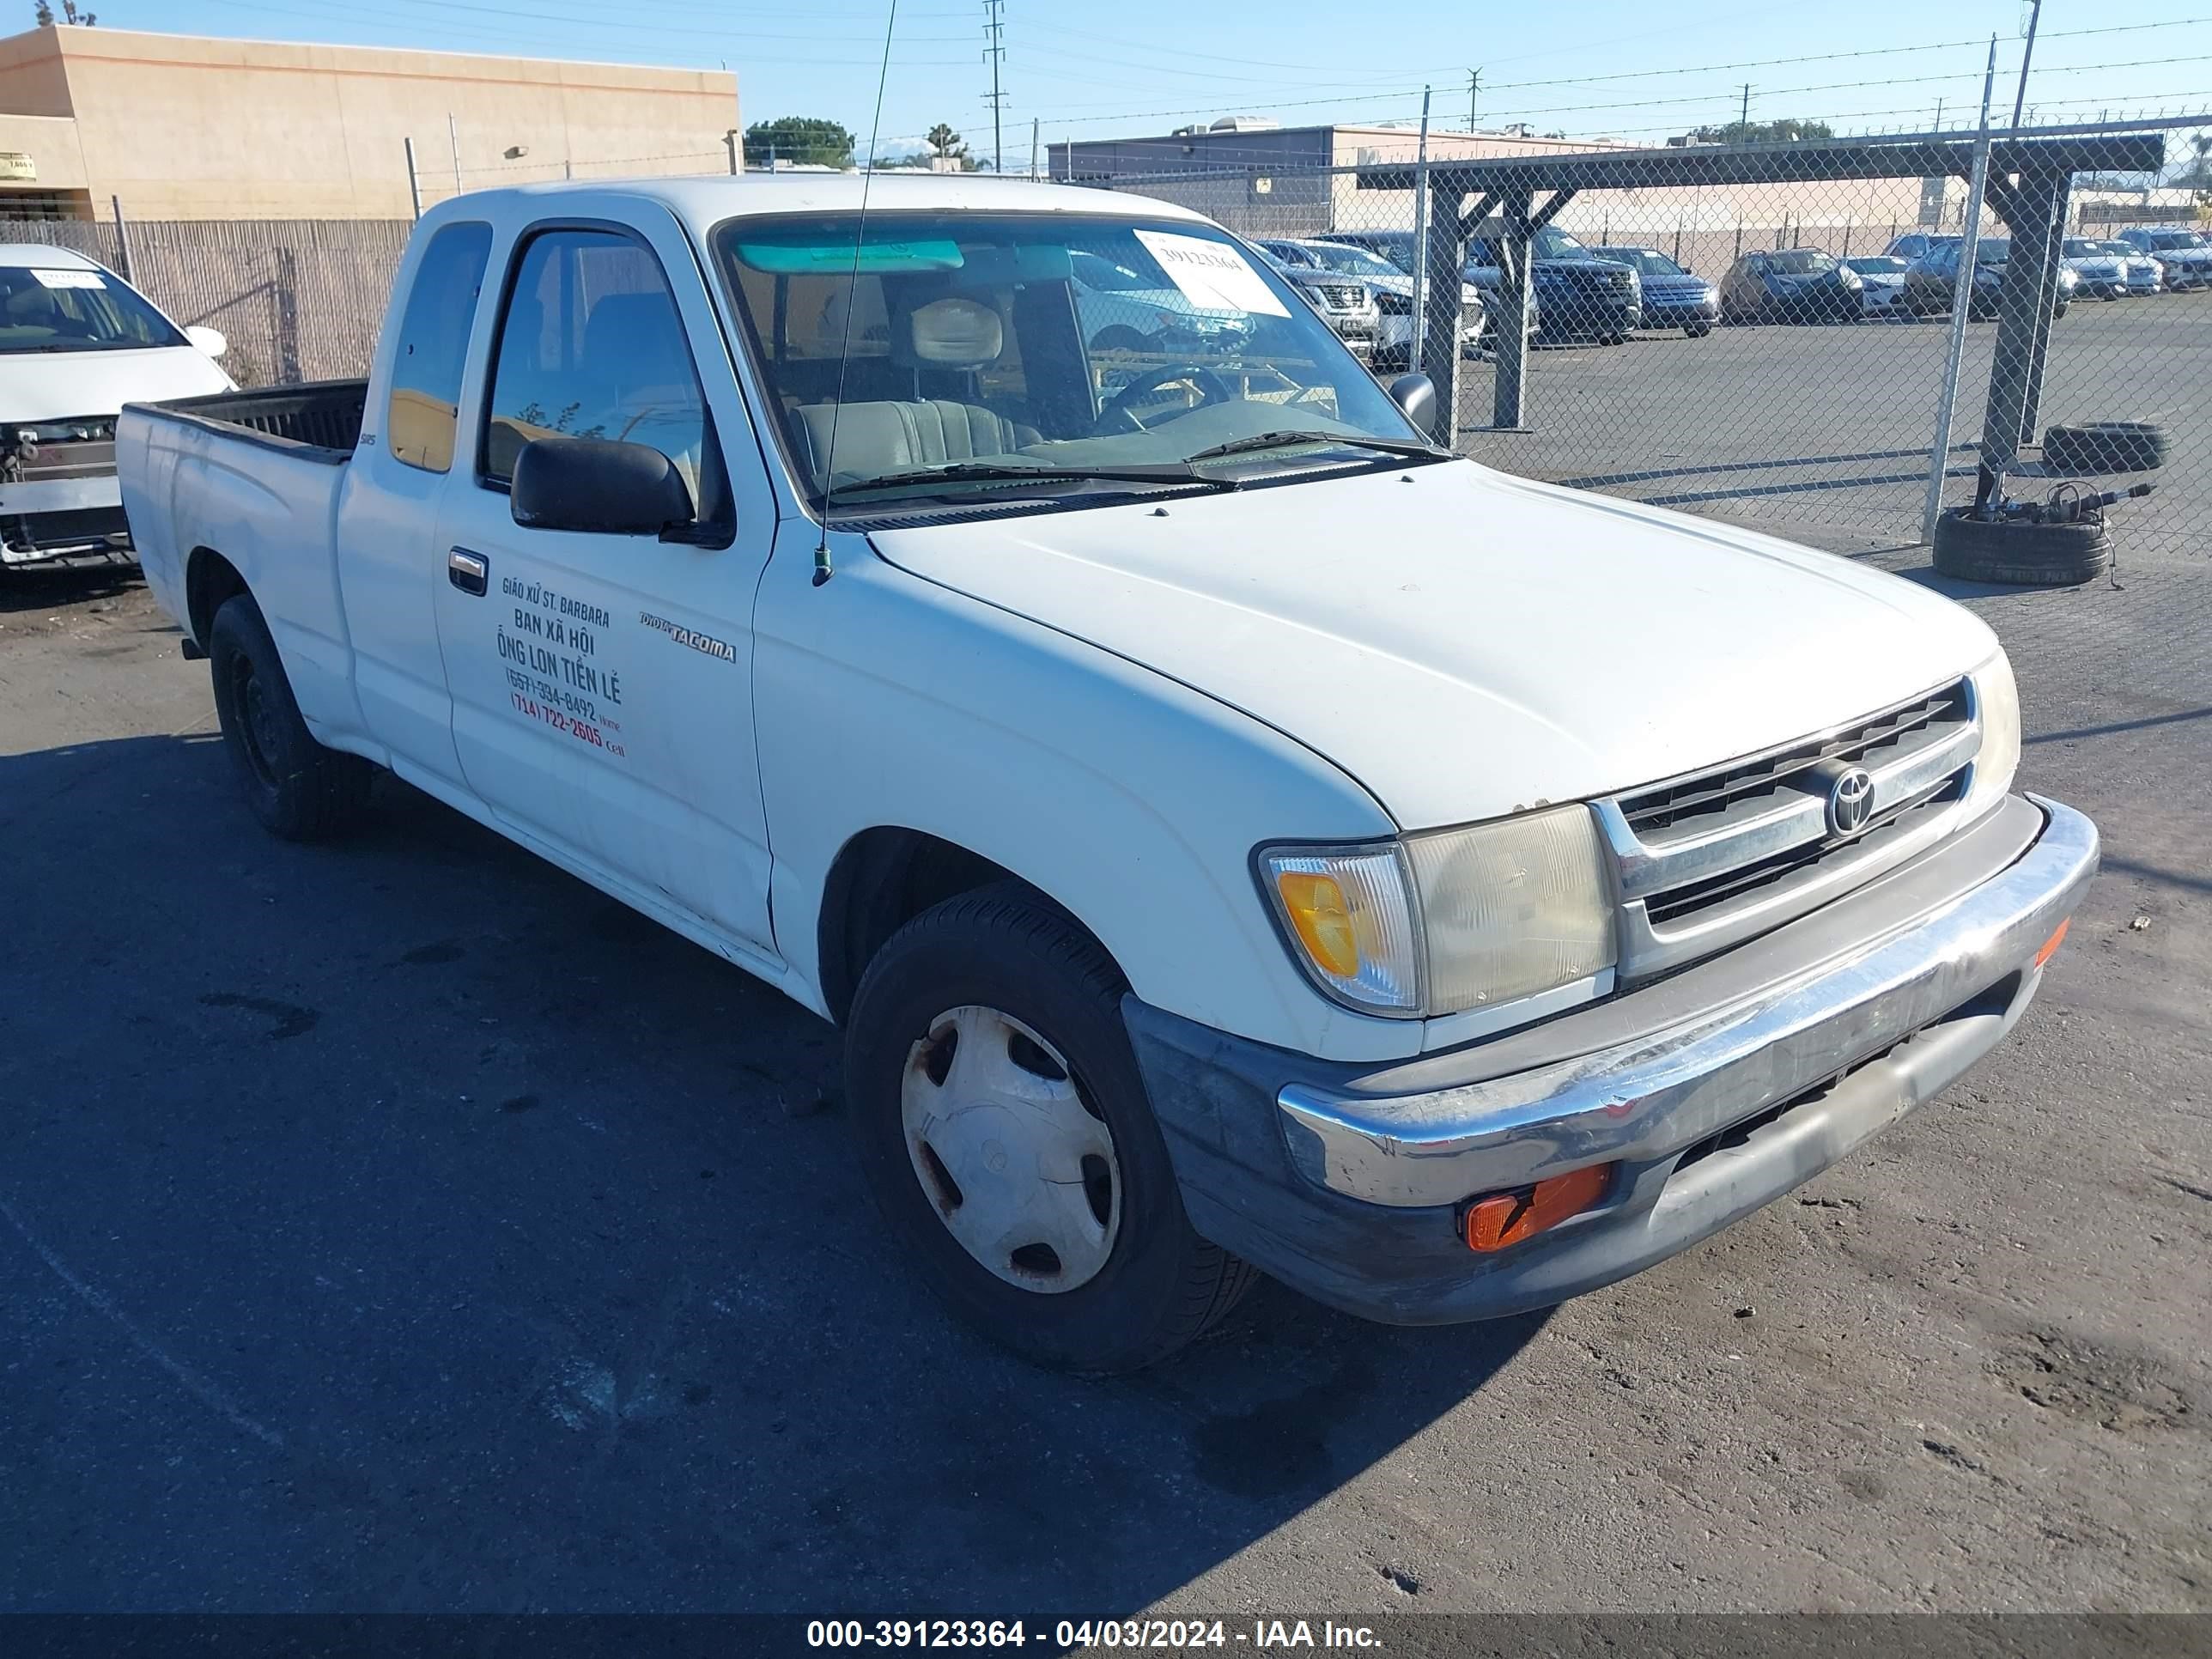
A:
[2069,280]
[1456,920]
[1997,705]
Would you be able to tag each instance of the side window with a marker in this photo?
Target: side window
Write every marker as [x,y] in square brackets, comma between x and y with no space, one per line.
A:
[434,339]
[591,346]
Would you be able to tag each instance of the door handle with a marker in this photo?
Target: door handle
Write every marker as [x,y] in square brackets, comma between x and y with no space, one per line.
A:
[470,572]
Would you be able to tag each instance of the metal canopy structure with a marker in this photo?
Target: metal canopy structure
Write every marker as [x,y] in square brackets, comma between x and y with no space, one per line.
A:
[2030,178]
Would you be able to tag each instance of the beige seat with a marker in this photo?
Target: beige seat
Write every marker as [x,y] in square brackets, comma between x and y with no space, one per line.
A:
[873,438]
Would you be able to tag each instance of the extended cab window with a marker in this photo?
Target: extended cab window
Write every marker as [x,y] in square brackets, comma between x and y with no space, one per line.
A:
[434,339]
[591,346]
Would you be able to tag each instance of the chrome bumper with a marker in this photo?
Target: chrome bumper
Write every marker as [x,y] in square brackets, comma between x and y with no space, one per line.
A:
[1645,1099]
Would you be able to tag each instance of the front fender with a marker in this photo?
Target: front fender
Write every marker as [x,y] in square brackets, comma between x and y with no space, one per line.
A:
[883,699]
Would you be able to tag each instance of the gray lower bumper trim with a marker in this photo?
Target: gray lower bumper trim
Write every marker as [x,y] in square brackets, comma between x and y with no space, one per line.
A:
[1667,1090]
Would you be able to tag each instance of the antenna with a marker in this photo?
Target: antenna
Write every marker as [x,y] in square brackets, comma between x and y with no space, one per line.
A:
[822,570]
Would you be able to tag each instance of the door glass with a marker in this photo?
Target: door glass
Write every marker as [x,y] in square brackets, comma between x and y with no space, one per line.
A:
[592,346]
[434,338]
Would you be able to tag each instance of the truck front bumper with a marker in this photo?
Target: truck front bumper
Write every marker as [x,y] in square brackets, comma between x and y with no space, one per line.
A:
[1710,1093]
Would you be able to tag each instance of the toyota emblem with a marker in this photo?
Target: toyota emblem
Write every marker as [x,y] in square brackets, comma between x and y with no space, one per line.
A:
[1850,801]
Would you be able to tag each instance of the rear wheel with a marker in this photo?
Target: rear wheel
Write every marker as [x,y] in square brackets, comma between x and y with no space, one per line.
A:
[299,789]
[1004,1131]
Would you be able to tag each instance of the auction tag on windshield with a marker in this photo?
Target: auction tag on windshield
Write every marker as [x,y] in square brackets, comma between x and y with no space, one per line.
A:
[69,278]
[1212,276]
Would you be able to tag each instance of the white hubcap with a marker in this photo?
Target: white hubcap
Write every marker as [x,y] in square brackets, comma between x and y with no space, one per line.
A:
[1018,1169]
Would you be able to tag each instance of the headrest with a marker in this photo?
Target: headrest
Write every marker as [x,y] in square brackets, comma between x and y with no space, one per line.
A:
[33,303]
[950,333]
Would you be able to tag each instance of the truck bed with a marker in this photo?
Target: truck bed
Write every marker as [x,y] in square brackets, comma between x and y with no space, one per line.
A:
[321,416]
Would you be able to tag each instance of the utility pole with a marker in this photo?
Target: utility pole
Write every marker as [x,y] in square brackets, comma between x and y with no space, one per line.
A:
[453,137]
[2025,58]
[1938,127]
[414,179]
[1033,138]
[1744,119]
[1474,89]
[994,30]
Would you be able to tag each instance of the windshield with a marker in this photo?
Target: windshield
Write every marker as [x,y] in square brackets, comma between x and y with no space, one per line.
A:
[2076,248]
[1876,264]
[1551,243]
[74,308]
[1649,261]
[1801,262]
[1055,348]
[2167,240]
[1992,251]
[1343,257]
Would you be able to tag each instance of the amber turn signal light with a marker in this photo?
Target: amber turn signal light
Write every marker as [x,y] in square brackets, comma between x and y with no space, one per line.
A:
[1506,1218]
[2051,945]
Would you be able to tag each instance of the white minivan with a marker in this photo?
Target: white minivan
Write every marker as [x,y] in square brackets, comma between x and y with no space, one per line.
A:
[76,343]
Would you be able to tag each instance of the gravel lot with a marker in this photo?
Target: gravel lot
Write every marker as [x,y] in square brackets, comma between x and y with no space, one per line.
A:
[401,1225]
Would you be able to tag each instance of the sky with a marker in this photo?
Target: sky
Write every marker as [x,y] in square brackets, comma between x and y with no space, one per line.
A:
[1089,69]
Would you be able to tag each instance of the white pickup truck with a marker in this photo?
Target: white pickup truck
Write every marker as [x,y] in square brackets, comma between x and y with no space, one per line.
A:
[1231,833]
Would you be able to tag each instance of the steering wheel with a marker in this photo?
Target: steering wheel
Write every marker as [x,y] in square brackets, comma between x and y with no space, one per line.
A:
[1211,389]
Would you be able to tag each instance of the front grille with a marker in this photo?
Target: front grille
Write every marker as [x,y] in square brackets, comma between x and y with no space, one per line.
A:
[1707,860]
[1867,744]
[1343,296]
[41,451]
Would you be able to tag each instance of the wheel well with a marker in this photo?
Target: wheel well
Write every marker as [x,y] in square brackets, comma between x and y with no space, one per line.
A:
[883,879]
[209,580]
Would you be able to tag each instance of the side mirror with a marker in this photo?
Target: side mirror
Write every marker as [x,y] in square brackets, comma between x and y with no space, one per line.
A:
[1416,394]
[210,341]
[598,485]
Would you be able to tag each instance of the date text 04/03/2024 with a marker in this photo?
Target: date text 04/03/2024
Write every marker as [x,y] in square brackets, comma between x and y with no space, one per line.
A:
[1143,1634]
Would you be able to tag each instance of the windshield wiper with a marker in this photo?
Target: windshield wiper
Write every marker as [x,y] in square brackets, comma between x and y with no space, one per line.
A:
[1280,440]
[1171,472]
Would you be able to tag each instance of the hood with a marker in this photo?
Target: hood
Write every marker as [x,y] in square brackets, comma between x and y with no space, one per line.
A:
[1463,643]
[55,386]
[1674,284]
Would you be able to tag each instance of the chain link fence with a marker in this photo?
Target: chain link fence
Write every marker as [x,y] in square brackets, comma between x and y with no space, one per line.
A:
[297,299]
[1767,336]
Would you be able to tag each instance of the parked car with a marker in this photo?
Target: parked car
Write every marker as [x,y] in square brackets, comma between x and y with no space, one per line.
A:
[1126,311]
[1790,285]
[1672,295]
[1930,280]
[1392,290]
[2183,257]
[2143,273]
[2099,273]
[1882,283]
[1915,243]
[1577,293]
[1346,306]
[1231,832]
[76,343]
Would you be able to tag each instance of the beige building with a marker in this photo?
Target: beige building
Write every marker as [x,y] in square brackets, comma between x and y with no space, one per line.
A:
[189,127]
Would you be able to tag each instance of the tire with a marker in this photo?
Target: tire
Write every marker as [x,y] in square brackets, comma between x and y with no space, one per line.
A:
[2020,554]
[298,789]
[1117,337]
[2102,446]
[1696,330]
[1001,975]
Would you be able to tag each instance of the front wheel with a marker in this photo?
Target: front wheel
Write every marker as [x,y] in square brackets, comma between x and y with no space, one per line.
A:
[1004,1131]
[298,789]
[1696,330]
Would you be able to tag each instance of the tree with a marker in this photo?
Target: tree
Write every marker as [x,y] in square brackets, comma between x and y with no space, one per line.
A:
[944,141]
[1787,130]
[43,14]
[802,139]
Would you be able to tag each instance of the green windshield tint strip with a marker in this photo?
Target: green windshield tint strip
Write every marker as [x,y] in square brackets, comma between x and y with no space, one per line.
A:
[816,256]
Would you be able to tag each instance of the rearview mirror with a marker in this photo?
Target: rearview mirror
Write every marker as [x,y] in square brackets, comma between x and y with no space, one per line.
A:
[208,341]
[599,485]
[1416,394]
